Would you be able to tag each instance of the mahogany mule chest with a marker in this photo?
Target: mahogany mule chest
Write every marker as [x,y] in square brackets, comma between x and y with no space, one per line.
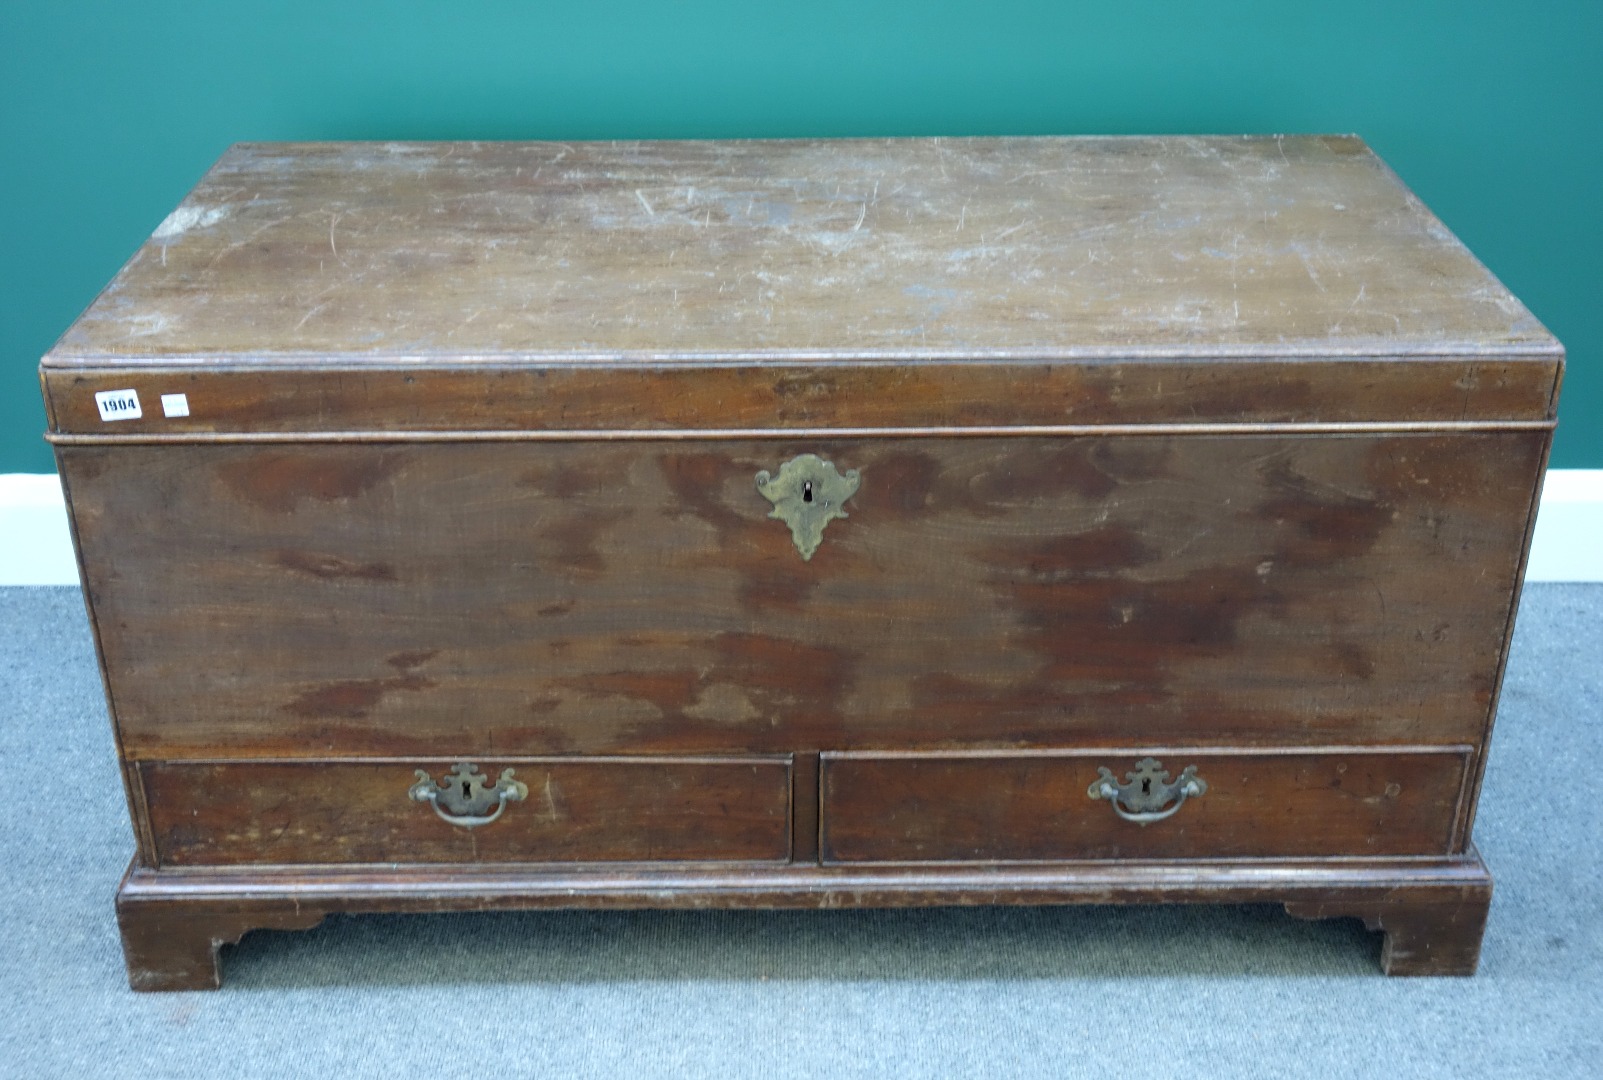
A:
[812,523]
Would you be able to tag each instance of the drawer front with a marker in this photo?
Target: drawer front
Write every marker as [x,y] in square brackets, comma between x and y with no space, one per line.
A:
[572,811]
[364,601]
[1038,807]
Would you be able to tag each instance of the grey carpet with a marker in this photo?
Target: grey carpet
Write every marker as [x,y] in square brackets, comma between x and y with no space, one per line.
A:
[1234,991]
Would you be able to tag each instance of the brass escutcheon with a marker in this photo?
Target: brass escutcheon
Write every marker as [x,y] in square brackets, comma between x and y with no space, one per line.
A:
[807,495]
[466,794]
[1147,790]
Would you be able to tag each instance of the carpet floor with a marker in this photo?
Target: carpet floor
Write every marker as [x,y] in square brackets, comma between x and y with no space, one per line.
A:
[1011,992]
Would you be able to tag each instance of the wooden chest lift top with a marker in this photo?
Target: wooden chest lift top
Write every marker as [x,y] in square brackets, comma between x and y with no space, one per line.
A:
[811,523]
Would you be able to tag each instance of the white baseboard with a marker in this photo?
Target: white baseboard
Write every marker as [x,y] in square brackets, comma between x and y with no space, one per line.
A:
[35,545]
[1569,528]
[36,549]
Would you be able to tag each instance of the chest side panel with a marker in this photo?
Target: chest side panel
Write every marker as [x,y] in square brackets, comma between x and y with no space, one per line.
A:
[324,600]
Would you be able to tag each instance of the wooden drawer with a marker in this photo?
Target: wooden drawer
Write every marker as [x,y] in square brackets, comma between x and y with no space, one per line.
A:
[1037,807]
[575,810]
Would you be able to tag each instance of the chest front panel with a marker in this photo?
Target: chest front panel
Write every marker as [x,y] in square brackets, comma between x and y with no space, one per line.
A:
[327,600]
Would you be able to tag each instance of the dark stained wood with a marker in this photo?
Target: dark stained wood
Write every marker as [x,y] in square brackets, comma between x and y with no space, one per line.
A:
[1218,450]
[1437,933]
[577,810]
[1036,807]
[347,601]
[139,812]
[172,943]
[852,395]
[172,921]
[1472,792]
[913,249]
[804,808]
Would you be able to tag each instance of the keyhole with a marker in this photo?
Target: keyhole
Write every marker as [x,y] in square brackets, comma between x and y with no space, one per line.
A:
[1146,787]
[807,491]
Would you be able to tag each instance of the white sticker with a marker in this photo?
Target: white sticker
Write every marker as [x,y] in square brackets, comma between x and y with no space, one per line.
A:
[175,405]
[118,405]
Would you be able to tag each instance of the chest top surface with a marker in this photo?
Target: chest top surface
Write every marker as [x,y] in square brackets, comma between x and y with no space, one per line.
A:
[1026,249]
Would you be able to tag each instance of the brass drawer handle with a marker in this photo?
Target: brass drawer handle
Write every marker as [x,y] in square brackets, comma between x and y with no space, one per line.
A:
[807,495]
[466,795]
[1147,790]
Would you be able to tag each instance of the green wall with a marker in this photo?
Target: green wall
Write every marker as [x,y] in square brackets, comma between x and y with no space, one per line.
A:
[1491,109]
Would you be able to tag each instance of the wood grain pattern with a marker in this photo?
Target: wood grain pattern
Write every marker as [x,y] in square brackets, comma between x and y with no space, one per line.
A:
[804,801]
[577,810]
[173,922]
[1431,934]
[1211,446]
[904,248]
[319,602]
[1035,807]
[173,943]
[453,398]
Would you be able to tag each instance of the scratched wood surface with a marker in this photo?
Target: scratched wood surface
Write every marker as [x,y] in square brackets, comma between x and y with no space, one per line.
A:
[577,810]
[1036,807]
[468,474]
[339,600]
[283,402]
[917,248]
[1433,912]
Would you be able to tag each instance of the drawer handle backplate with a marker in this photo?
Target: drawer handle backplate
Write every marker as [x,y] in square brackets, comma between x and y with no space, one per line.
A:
[466,794]
[807,495]
[1147,791]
